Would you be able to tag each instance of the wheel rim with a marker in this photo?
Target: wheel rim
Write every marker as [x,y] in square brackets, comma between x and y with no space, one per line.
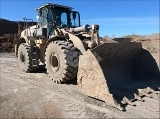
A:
[22,58]
[54,62]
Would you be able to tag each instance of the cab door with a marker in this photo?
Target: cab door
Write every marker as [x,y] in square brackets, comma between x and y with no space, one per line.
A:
[43,21]
[75,19]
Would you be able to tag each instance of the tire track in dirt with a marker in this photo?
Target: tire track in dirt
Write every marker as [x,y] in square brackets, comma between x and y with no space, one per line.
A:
[66,98]
[42,98]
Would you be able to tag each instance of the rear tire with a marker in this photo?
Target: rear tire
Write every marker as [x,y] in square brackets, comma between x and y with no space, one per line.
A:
[24,58]
[61,60]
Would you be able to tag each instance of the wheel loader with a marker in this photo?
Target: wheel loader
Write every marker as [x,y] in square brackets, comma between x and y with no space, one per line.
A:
[112,72]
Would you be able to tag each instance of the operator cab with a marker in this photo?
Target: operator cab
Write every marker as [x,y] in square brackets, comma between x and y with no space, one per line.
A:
[59,16]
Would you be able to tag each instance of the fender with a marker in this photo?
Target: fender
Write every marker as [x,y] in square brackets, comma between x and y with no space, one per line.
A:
[23,39]
[76,41]
[50,40]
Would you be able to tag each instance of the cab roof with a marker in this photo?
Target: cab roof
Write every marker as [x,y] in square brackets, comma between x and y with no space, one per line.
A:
[55,5]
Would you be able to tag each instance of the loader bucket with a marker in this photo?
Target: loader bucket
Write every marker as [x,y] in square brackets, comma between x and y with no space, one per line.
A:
[117,72]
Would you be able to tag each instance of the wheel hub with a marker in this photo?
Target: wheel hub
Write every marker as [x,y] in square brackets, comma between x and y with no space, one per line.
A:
[22,58]
[54,62]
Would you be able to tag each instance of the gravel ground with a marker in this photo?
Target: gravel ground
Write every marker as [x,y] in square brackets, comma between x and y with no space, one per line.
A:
[33,95]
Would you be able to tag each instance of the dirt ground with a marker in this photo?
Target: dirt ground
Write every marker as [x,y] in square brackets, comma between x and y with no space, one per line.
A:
[33,95]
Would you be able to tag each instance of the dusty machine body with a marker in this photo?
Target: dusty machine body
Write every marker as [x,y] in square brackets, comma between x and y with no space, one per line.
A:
[69,50]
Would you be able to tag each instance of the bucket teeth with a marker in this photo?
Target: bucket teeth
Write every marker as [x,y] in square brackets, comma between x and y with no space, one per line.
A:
[144,92]
[140,92]
[118,106]
[149,96]
[150,89]
[125,100]
[137,97]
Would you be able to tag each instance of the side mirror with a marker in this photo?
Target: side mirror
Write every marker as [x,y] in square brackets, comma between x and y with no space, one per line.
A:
[74,15]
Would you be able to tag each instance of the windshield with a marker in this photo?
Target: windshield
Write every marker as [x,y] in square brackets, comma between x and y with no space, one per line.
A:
[63,18]
[59,17]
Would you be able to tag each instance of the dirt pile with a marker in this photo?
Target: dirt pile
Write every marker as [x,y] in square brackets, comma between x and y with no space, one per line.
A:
[154,36]
[7,42]
[9,33]
[150,43]
[8,27]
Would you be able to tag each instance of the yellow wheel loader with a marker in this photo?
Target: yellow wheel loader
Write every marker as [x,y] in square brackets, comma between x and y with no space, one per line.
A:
[112,72]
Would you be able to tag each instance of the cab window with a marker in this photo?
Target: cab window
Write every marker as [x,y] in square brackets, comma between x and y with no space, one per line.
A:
[75,19]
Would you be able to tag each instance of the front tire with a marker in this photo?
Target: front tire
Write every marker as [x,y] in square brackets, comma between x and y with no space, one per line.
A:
[24,58]
[61,60]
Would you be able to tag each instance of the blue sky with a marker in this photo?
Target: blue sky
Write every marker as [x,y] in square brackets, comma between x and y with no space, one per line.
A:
[115,17]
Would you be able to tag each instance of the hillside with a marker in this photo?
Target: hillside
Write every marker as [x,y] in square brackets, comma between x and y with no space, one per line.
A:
[9,33]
